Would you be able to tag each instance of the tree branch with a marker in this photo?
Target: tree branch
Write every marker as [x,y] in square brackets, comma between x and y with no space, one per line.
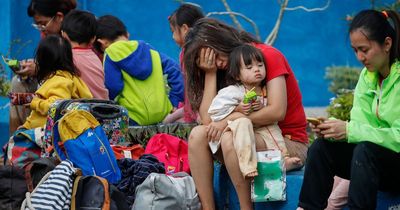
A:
[274,33]
[312,9]
[256,31]
[233,17]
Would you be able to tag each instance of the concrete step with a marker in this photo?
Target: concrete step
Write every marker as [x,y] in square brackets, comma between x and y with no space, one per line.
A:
[226,197]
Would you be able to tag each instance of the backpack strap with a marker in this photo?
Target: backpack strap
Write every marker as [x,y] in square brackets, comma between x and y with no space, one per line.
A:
[107,199]
[56,139]
[27,201]
[28,177]
[74,189]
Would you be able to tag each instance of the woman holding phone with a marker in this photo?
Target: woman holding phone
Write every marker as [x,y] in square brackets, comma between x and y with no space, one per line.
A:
[366,149]
[47,17]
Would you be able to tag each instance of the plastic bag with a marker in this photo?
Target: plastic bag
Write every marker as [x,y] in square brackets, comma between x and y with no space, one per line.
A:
[270,184]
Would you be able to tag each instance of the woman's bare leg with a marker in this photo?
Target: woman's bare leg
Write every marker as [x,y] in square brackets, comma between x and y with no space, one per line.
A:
[241,185]
[201,166]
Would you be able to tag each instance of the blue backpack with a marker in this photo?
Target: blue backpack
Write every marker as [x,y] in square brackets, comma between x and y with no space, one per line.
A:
[86,145]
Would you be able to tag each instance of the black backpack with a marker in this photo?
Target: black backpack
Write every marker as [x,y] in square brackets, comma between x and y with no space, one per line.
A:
[36,170]
[94,192]
[12,187]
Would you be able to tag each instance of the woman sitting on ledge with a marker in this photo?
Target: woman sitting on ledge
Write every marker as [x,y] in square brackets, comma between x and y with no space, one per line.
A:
[366,149]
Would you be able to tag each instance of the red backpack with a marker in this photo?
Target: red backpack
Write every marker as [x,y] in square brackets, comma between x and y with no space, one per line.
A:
[170,150]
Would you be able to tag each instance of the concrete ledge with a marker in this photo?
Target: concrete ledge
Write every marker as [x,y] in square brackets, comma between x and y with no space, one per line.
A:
[226,197]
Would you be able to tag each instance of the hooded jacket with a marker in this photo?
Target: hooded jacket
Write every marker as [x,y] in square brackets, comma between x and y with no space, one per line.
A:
[375,113]
[134,75]
[62,85]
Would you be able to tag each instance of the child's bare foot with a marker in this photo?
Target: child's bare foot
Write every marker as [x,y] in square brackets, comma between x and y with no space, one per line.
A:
[292,163]
[251,175]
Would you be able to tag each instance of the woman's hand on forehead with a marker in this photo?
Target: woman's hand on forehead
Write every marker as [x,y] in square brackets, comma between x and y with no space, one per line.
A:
[206,60]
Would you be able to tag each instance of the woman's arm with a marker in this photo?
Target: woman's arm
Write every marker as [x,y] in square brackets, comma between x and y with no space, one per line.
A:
[210,91]
[275,110]
[206,62]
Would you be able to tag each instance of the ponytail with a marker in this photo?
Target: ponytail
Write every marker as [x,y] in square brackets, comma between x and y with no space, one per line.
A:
[378,26]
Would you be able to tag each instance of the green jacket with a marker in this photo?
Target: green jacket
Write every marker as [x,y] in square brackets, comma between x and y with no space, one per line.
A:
[375,116]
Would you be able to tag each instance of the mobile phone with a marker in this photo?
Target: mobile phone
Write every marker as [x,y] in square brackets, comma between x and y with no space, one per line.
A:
[14,64]
[314,121]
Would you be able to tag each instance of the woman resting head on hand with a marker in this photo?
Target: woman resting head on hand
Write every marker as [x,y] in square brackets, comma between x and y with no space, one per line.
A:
[206,56]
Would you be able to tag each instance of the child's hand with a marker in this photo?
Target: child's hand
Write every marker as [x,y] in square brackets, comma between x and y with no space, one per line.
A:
[243,108]
[215,129]
[257,105]
[206,60]
[174,116]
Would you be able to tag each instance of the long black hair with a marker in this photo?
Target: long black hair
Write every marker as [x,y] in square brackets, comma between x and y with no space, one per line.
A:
[185,14]
[379,25]
[53,53]
[208,32]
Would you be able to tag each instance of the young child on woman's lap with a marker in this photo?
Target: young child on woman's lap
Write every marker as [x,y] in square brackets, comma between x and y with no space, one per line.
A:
[247,73]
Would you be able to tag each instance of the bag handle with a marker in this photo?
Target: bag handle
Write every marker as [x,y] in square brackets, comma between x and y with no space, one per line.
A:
[27,203]
[28,177]
[105,111]
[180,174]
[64,103]
[94,101]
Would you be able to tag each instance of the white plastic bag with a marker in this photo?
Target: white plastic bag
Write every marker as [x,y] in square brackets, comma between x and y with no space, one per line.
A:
[270,184]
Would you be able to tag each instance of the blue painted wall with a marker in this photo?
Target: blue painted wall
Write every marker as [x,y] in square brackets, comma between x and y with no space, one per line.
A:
[311,41]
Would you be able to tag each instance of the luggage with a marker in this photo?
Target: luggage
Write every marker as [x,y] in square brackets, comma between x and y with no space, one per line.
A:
[94,192]
[37,169]
[170,150]
[54,189]
[86,145]
[161,191]
[24,147]
[132,152]
[113,118]
[12,187]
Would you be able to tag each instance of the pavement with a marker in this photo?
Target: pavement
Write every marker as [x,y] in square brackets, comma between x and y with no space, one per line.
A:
[316,111]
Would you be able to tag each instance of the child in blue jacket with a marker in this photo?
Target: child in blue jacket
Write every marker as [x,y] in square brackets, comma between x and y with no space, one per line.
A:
[134,74]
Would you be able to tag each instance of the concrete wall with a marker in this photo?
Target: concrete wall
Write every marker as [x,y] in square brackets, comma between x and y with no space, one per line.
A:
[310,40]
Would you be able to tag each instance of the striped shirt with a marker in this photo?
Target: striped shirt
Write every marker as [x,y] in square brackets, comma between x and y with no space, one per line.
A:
[55,193]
